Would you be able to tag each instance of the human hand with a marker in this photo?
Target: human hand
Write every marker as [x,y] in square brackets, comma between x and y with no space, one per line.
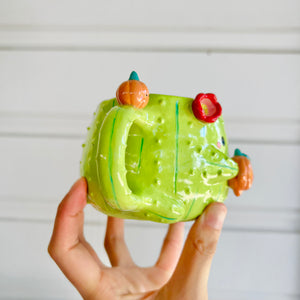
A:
[175,275]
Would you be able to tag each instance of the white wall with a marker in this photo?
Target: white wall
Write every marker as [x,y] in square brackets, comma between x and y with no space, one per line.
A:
[58,59]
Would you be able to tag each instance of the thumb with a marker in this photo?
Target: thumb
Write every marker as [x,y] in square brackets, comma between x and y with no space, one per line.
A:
[191,275]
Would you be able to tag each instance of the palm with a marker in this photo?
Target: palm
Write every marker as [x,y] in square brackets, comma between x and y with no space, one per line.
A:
[129,283]
[125,279]
[173,276]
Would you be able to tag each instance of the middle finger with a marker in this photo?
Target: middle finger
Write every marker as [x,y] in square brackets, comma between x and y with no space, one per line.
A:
[115,245]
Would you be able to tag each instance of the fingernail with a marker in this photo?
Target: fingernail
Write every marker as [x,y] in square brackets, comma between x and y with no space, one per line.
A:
[214,215]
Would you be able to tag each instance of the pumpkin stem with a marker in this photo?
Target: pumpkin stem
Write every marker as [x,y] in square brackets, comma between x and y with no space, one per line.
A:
[238,152]
[134,76]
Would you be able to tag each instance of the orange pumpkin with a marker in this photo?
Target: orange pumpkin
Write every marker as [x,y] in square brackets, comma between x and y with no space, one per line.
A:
[133,92]
[244,178]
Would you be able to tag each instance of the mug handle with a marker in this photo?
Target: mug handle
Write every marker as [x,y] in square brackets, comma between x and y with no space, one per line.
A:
[112,145]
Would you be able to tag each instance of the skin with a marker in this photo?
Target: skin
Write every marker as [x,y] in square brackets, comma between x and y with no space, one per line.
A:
[177,274]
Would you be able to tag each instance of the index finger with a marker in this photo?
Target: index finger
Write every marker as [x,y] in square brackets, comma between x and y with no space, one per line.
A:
[67,245]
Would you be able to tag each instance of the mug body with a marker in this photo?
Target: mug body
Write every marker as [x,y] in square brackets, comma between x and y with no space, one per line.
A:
[159,163]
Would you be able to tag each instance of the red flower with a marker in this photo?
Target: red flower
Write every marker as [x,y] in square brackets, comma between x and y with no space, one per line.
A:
[206,108]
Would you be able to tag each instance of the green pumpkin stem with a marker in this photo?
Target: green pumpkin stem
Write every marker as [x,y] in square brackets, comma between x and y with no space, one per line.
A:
[134,76]
[238,152]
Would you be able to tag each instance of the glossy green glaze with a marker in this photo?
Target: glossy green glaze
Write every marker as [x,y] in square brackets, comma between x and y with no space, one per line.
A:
[158,163]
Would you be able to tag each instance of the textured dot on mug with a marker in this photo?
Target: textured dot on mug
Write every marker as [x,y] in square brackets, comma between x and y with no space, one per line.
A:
[187,190]
[190,124]
[160,120]
[157,181]
[161,101]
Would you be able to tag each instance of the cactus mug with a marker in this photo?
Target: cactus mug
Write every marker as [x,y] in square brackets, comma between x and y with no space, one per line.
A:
[164,160]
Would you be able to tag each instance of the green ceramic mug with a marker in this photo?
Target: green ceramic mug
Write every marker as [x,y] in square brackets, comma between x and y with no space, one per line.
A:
[159,163]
